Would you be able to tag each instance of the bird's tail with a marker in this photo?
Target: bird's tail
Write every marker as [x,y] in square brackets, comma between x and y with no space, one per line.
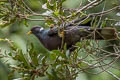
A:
[102,34]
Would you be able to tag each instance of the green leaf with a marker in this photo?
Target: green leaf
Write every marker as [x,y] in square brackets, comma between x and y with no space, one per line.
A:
[33,55]
[56,12]
[68,53]
[103,24]
[86,21]
[43,60]
[25,23]
[82,65]
[53,56]
[10,54]
[57,52]
[22,58]
[50,6]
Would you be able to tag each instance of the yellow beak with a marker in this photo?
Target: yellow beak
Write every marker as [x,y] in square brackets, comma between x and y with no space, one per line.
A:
[30,32]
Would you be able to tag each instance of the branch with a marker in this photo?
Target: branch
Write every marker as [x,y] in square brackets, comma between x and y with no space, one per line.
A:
[105,12]
[115,76]
[34,19]
[26,17]
[88,6]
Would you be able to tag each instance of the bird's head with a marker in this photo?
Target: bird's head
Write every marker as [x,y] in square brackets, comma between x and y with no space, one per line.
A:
[37,30]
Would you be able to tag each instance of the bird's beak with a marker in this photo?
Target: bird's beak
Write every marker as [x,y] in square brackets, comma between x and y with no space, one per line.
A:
[30,32]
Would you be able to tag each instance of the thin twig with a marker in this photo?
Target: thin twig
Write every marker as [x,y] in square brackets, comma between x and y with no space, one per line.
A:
[115,76]
[34,19]
[105,12]
[98,24]
[88,6]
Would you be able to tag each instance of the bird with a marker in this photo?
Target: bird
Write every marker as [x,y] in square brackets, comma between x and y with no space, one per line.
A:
[51,39]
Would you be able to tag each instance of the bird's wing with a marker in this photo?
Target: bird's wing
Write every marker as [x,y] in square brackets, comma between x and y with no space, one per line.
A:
[53,32]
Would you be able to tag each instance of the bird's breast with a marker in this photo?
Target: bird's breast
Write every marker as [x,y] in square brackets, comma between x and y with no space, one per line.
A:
[52,42]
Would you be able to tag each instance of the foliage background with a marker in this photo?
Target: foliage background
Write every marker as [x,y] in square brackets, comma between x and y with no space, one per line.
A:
[17,32]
